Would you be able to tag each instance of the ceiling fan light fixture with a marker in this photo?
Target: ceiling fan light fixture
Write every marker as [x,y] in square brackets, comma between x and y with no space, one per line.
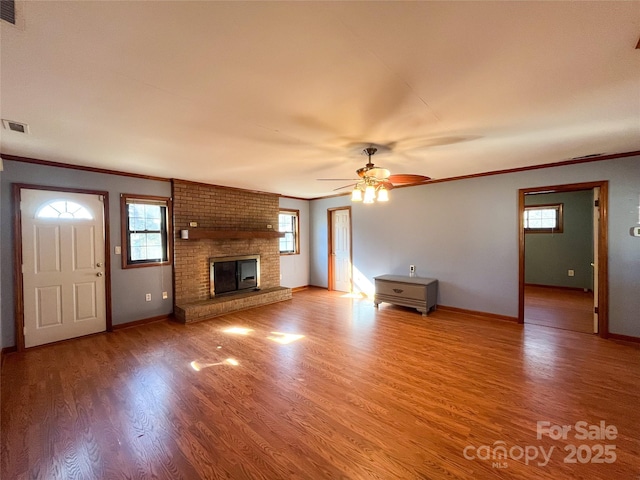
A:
[383,194]
[356,195]
[369,194]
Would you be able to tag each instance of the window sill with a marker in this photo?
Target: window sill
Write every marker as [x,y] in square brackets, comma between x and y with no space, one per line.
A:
[140,265]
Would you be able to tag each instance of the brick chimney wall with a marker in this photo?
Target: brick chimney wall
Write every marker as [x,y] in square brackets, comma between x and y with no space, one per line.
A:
[220,208]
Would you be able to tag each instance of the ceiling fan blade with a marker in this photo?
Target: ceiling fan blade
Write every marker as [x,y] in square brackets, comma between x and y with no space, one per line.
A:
[407,179]
[345,186]
[336,179]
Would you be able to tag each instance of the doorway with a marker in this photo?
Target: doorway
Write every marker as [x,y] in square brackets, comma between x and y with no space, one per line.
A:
[62,264]
[563,272]
[340,261]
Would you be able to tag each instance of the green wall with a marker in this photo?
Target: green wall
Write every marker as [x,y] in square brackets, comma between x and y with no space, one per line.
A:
[548,256]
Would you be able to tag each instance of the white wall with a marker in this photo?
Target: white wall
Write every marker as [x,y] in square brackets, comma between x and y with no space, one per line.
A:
[294,269]
[465,234]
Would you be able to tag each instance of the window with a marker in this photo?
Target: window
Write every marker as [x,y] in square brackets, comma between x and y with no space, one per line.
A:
[543,218]
[289,224]
[145,227]
[64,209]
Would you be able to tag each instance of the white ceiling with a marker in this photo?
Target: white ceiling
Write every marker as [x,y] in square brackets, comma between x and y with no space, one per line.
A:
[273,95]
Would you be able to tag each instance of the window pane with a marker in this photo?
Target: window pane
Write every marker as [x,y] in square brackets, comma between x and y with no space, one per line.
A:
[542,218]
[287,243]
[138,253]
[154,239]
[548,223]
[153,211]
[136,210]
[153,224]
[154,252]
[138,239]
[534,214]
[286,223]
[535,223]
[137,224]
[64,209]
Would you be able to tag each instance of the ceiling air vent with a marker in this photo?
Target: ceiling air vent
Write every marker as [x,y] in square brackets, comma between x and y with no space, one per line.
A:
[8,11]
[15,126]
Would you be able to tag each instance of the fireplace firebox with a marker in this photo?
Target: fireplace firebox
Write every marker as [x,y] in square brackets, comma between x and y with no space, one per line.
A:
[229,275]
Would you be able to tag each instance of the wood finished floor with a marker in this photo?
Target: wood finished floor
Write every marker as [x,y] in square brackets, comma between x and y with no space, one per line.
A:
[365,394]
[559,308]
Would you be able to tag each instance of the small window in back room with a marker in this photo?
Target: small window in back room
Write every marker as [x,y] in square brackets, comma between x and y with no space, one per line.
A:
[543,218]
[288,222]
[145,230]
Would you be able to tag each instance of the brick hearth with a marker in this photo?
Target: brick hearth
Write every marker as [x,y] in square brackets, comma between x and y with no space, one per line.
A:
[196,311]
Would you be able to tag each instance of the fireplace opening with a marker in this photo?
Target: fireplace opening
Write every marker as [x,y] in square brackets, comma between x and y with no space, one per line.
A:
[234,274]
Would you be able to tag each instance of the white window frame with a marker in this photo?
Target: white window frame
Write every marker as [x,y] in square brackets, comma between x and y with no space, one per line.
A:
[293,231]
[165,229]
[558,228]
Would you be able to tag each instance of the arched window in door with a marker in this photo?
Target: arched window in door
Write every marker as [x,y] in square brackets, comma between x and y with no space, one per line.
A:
[64,209]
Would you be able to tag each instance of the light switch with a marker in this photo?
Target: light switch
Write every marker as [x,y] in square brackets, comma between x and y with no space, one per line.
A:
[118,250]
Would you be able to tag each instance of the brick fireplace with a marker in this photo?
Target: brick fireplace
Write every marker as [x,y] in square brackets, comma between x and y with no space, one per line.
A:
[219,210]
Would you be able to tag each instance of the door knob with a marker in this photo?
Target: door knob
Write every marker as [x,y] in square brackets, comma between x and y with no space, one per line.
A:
[99,274]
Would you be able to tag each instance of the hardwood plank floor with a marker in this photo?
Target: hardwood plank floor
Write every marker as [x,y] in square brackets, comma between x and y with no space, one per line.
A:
[559,308]
[365,394]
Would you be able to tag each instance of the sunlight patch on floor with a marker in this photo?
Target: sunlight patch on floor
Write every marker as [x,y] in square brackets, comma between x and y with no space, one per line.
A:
[354,295]
[197,366]
[238,330]
[284,338]
[278,337]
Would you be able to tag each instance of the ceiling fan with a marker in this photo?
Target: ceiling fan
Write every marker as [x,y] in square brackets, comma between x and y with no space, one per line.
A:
[375,182]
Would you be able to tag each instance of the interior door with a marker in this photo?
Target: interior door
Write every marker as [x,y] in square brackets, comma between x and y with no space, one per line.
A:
[63,258]
[341,250]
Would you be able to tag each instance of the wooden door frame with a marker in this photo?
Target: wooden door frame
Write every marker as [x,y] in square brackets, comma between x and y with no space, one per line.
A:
[330,283]
[17,254]
[602,253]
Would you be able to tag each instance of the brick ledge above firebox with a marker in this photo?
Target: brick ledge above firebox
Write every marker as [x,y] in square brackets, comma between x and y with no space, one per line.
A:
[205,309]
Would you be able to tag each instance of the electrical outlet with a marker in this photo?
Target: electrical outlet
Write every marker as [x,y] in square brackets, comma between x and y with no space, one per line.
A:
[193,224]
[147,297]
[269,225]
[165,295]
[571,273]
[412,268]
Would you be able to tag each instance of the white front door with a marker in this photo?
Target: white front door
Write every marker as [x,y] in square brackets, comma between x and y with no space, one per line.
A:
[341,250]
[63,258]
